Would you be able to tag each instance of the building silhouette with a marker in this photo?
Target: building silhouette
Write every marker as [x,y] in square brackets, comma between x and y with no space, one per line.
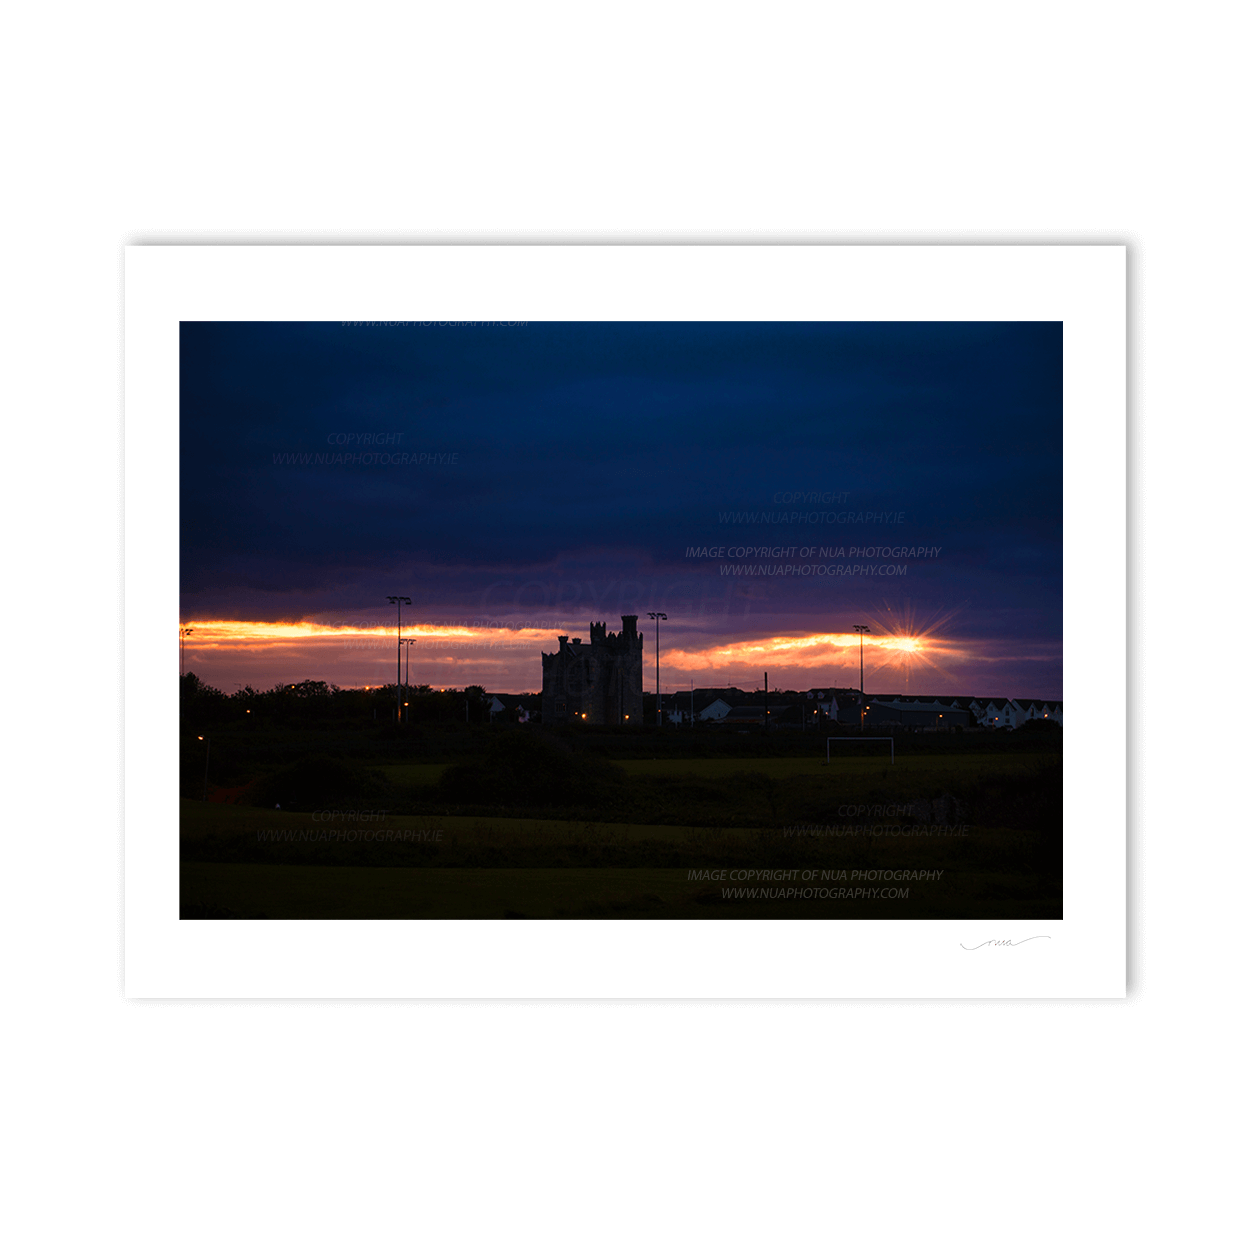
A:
[595,683]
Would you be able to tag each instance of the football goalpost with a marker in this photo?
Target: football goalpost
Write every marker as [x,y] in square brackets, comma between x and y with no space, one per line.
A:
[829,742]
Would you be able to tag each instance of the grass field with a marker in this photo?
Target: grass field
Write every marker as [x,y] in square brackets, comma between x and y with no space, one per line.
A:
[989,827]
[206,821]
[412,774]
[843,768]
[302,892]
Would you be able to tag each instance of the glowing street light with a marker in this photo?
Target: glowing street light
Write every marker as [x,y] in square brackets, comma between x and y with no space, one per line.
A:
[657,617]
[208,746]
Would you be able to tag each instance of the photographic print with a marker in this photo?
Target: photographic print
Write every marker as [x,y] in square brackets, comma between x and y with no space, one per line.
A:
[625,620]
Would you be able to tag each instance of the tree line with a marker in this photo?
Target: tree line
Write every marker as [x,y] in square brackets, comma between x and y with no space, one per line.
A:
[324,701]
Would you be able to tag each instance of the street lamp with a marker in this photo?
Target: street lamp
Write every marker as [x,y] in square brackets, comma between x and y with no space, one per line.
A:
[398,601]
[861,630]
[657,617]
[183,631]
[208,746]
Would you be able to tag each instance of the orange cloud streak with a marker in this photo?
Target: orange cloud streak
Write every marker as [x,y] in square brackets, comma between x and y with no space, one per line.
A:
[892,651]
[252,633]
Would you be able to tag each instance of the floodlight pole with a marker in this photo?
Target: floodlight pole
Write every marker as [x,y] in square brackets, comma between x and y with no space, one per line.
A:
[398,601]
[657,617]
[183,631]
[861,630]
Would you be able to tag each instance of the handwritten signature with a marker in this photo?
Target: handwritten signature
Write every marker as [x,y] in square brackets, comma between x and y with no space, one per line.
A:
[1004,942]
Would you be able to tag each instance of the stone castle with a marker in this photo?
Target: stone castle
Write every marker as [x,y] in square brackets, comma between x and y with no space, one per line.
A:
[595,683]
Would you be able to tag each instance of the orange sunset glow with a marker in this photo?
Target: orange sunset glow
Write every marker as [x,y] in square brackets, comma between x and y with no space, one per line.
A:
[263,653]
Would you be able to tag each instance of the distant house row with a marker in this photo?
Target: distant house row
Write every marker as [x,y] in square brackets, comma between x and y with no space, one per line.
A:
[952,712]
[880,710]
[793,710]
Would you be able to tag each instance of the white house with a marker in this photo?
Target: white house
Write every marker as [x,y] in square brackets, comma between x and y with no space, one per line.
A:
[996,713]
[718,709]
[826,702]
[676,708]
[1036,709]
[497,705]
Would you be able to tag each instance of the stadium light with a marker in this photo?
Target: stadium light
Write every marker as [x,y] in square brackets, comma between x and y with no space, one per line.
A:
[183,631]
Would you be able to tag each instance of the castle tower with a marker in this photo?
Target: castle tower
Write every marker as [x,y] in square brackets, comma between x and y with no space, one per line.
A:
[597,682]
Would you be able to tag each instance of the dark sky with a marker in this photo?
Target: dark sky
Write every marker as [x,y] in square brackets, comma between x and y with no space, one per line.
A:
[568,468]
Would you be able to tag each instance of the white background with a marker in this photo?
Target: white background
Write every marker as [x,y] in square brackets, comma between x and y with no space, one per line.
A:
[1082,955]
[886,1124]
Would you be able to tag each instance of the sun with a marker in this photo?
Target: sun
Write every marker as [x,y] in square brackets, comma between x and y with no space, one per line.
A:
[909,645]
[904,644]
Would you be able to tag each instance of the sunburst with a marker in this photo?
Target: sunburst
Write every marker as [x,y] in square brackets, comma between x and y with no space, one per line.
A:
[904,643]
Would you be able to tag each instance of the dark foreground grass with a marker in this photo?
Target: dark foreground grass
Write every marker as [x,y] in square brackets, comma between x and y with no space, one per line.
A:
[305,892]
[243,863]
[534,830]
